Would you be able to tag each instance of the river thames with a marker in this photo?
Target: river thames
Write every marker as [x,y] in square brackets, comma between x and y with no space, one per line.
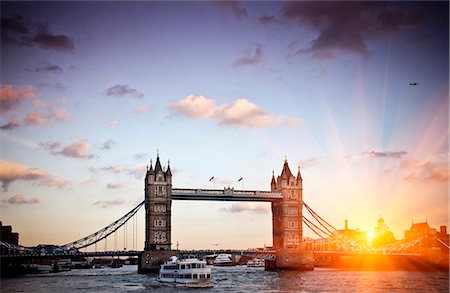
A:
[233,279]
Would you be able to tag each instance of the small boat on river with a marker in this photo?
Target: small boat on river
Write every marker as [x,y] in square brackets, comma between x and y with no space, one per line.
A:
[223,260]
[189,272]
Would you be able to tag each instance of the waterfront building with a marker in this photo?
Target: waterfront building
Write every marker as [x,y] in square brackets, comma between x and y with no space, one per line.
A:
[7,235]
[357,236]
[383,236]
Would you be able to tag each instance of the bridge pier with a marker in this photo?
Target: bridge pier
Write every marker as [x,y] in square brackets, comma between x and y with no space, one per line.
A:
[298,260]
[149,261]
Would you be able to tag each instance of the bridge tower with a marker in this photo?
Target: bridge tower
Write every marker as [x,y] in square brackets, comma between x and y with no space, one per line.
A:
[287,212]
[287,231]
[158,205]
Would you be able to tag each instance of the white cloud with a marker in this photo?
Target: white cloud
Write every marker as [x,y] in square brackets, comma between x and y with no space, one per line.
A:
[240,113]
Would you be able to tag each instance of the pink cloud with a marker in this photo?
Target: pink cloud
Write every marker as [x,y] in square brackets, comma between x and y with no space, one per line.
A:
[244,113]
[11,98]
[424,170]
[59,115]
[142,109]
[240,113]
[34,118]
[78,149]
[10,172]
[194,106]
[19,199]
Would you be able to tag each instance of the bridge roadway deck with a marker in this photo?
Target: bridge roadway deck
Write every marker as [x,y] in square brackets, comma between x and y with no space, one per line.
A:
[226,194]
[266,254]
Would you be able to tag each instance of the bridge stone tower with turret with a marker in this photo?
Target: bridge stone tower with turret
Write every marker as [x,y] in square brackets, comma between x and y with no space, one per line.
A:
[158,205]
[287,213]
[287,228]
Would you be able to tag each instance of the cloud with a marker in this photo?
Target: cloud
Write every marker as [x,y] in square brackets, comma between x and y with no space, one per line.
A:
[47,67]
[108,203]
[34,118]
[240,113]
[376,154]
[78,149]
[247,207]
[139,172]
[56,86]
[390,21]
[233,6]
[309,162]
[10,125]
[113,124]
[346,26]
[19,199]
[21,31]
[254,58]
[10,172]
[424,170]
[59,115]
[268,19]
[194,106]
[114,185]
[114,169]
[120,90]
[11,98]
[223,181]
[88,181]
[142,109]
[107,145]
[140,157]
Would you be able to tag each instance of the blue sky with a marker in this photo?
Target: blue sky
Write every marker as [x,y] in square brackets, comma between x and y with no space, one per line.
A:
[91,91]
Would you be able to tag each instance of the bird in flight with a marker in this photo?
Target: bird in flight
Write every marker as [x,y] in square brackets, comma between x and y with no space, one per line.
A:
[413,83]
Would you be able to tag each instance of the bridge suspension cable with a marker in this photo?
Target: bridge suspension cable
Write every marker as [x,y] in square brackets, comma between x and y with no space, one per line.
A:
[315,228]
[319,219]
[103,233]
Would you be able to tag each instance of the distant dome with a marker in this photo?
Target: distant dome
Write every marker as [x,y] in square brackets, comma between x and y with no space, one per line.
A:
[380,221]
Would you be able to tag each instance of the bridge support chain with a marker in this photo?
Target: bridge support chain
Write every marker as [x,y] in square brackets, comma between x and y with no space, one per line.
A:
[150,261]
[295,260]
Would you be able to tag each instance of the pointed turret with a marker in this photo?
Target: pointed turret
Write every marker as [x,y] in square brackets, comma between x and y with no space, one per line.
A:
[150,171]
[286,172]
[158,165]
[168,172]
[299,175]
[273,184]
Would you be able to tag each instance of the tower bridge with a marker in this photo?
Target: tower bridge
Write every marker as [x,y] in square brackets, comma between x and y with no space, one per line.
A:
[285,196]
[289,251]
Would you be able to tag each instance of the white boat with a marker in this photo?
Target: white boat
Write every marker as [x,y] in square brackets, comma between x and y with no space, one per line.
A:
[223,260]
[189,272]
[256,262]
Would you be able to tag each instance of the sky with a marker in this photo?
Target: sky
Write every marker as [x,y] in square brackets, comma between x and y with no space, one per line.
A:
[91,91]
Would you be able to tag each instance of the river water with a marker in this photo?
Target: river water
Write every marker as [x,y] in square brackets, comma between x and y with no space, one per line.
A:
[233,279]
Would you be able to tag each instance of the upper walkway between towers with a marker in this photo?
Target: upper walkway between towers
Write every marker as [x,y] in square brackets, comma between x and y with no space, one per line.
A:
[226,194]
